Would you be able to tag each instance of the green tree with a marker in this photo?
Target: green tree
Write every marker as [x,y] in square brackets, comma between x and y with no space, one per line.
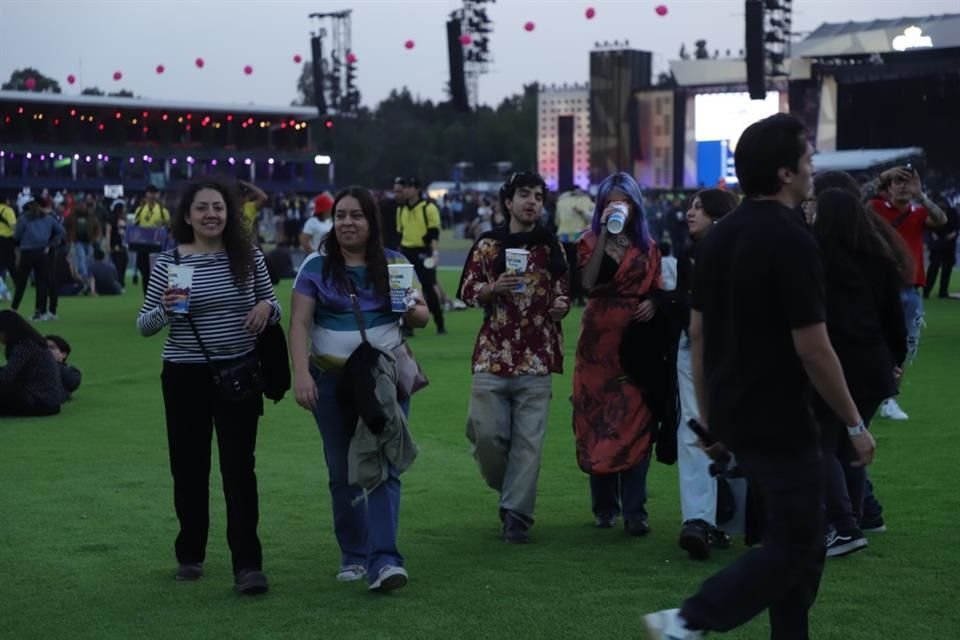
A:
[18,81]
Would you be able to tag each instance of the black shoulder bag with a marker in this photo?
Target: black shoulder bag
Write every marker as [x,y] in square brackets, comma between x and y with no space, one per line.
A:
[237,379]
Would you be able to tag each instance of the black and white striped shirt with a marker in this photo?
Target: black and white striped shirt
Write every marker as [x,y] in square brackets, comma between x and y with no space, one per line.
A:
[217,305]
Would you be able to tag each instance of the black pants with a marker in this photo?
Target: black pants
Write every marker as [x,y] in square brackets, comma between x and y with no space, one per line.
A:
[35,261]
[576,286]
[941,262]
[8,257]
[783,575]
[53,281]
[119,259]
[14,401]
[143,266]
[193,412]
[428,279]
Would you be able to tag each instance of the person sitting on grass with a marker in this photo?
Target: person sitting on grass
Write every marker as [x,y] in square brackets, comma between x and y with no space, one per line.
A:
[69,375]
[30,384]
[104,279]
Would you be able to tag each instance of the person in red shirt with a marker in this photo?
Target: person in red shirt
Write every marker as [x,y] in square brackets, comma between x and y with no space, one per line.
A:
[900,191]
[519,345]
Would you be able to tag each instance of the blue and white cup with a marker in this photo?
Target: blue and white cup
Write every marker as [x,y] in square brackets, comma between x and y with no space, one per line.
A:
[180,279]
[401,286]
[517,265]
[618,219]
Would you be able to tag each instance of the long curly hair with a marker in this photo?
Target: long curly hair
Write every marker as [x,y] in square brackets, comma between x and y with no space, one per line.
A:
[334,267]
[236,240]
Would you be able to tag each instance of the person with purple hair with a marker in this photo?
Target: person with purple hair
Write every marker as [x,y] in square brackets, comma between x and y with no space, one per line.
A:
[612,421]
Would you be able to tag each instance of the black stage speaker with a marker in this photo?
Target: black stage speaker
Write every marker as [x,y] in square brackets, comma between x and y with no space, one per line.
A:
[318,85]
[458,84]
[756,81]
[565,151]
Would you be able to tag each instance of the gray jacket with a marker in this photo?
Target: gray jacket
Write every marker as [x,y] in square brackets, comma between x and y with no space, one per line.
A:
[369,455]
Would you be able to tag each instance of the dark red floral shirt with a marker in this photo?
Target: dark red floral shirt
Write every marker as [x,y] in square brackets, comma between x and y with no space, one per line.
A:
[517,337]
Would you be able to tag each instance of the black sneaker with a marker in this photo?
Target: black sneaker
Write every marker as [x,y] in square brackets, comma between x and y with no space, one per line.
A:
[695,539]
[719,538]
[515,530]
[189,571]
[873,525]
[636,527]
[250,582]
[605,521]
[845,542]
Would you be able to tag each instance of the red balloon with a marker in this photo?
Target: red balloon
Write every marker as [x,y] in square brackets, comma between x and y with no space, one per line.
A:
[408,44]
[199,63]
[161,68]
[248,69]
[117,75]
[71,79]
[529,26]
[30,83]
[465,39]
[298,58]
[661,10]
[351,58]
[591,12]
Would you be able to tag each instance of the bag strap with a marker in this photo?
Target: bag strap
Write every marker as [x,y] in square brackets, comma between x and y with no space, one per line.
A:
[900,219]
[196,334]
[356,309]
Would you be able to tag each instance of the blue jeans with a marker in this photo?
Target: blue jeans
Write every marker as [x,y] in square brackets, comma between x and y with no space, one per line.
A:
[82,251]
[912,302]
[366,528]
[624,492]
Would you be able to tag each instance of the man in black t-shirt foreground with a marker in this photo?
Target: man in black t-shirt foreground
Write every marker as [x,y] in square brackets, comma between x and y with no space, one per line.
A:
[758,340]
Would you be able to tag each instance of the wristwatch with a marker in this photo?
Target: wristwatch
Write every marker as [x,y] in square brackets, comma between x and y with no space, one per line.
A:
[857,429]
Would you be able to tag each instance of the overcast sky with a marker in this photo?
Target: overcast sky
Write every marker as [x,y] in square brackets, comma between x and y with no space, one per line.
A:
[94,38]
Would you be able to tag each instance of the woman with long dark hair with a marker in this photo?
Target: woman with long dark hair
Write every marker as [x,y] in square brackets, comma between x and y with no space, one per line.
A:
[30,382]
[351,268]
[865,322]
[229,302]
[698,489]
[612,421]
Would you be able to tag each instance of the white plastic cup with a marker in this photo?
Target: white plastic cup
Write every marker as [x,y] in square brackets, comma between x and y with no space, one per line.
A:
[517,265]
[618,219]
[401,286]
[180,279]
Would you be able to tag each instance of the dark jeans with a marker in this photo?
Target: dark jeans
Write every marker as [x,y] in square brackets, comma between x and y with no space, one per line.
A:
[624,492]
[53,282]
[119,259]
[941,262]
[192,412]
[143,266]
[428,279]
[782,575]
[33,261]
[8,258]
[576,286]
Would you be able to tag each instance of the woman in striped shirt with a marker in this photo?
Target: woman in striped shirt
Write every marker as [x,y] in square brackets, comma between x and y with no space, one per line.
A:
[230,302]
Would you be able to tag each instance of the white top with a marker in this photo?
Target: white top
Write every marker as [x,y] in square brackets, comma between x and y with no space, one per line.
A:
[668,271]
[317,229]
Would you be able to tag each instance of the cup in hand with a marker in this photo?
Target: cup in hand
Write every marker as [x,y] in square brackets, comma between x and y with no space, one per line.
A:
[517,265]
[401,286]
[618,218]
[180,279]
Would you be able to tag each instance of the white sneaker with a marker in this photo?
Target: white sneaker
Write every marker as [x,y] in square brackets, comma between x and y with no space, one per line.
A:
[49,316]
[351,573]
[668,625]
[892,411]
[390,577]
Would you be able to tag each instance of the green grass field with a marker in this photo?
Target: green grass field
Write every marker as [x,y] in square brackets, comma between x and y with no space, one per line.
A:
[88,522]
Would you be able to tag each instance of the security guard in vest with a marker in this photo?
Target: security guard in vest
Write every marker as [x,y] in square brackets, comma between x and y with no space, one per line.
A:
[149,214]
[418,224]
[8,260]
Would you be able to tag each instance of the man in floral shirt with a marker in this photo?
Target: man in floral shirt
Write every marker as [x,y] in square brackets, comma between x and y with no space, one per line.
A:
[519,345]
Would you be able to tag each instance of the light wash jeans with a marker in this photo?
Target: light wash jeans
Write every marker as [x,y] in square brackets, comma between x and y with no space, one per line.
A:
[506,424]
[82,252]
[698,489]
[911,300]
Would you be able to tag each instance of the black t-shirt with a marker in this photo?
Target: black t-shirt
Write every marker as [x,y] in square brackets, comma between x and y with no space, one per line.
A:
[758,276]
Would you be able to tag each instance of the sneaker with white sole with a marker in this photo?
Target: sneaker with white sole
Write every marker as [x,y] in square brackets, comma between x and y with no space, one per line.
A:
[351,573]
[892,411]
[391,577]
[842,543]
[668,625]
